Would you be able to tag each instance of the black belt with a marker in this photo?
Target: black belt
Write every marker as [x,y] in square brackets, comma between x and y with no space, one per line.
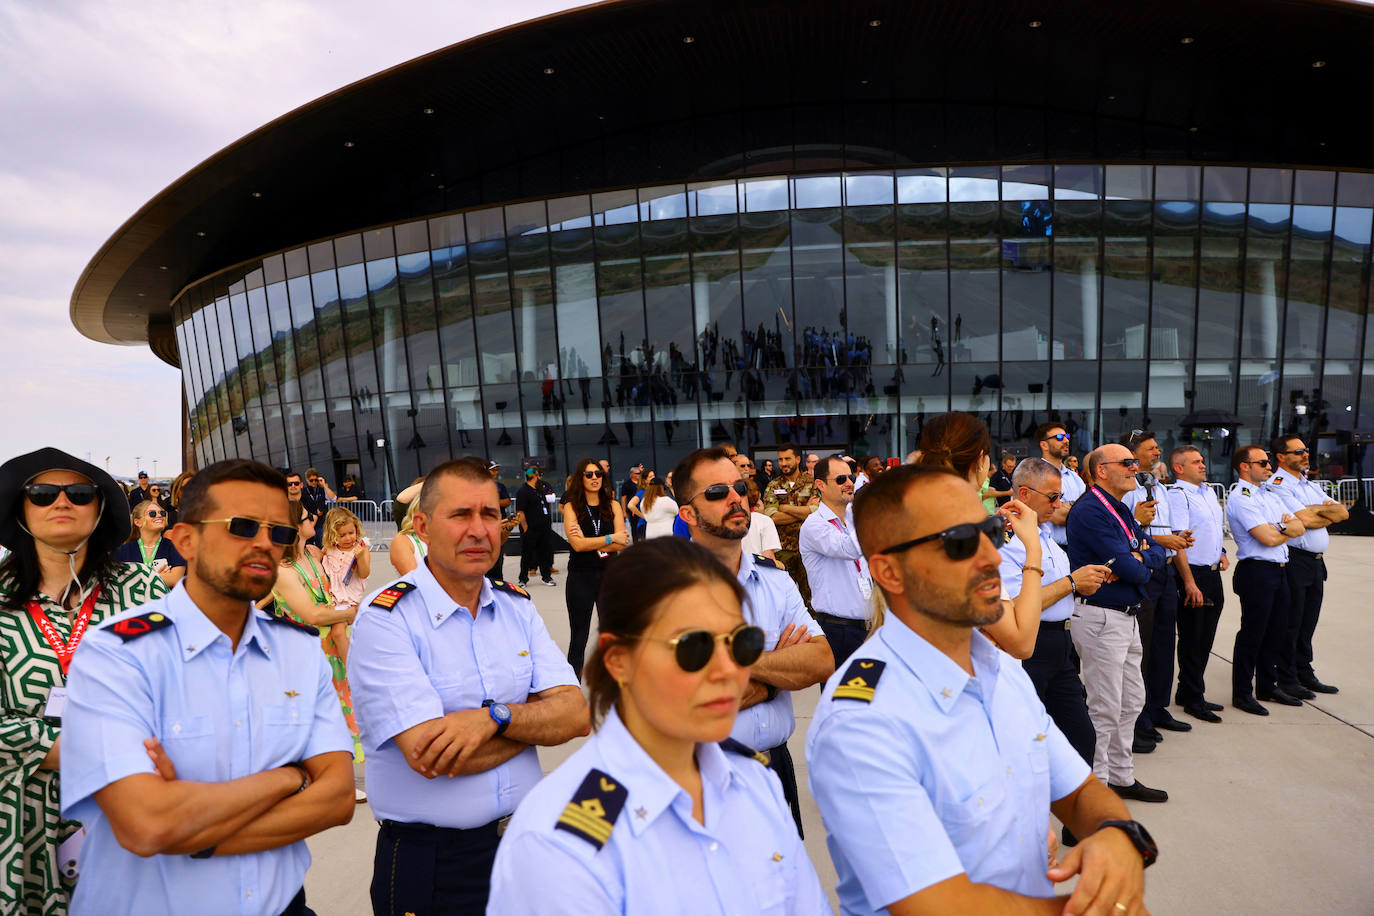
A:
[1258,560]
[1054,625]
[841,621]
[492,828]
[1214,566]
[1129,610]
[1306,553]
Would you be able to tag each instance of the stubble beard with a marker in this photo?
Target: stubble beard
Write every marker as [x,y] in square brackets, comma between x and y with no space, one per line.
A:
[723,531]
[963,609]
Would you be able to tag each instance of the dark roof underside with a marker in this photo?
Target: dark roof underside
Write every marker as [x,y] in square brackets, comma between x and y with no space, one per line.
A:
[762,87]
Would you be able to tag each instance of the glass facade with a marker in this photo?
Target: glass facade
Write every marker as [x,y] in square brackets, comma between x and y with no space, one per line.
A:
[834,310]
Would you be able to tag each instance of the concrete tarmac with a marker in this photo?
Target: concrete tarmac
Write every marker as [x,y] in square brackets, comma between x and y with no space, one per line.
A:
[1265,815]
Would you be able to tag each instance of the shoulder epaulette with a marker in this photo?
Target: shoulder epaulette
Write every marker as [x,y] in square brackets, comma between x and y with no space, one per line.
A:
[510,587]
[386,599]
[293,624]
[1276,482]
[769,562]
[731,746]
[860,680]
[131,628]
[1244,491]
[594,807]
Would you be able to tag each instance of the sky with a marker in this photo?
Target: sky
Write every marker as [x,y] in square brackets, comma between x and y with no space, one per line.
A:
[102,106]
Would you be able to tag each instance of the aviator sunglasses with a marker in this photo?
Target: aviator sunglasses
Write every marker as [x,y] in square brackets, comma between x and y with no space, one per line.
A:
[45,494]
[718,491]
[240,527]
[960,541]
[694,648]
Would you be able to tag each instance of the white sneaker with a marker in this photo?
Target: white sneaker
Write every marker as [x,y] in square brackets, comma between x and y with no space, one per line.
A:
[550,583]
[359,796]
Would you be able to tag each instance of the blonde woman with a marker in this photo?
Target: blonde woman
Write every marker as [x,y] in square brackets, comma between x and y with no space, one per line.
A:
[407,551]
[148,547]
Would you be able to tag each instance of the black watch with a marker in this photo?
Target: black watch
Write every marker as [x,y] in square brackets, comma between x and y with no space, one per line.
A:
[1144,843]
[500,714]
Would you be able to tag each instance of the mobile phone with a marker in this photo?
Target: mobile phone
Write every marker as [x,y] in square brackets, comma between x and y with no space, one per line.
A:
[1110,562]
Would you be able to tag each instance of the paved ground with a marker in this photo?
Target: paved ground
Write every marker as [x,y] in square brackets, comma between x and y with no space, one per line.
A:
[1266,816]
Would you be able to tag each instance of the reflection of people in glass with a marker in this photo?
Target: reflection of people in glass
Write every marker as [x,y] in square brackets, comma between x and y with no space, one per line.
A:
[937,345]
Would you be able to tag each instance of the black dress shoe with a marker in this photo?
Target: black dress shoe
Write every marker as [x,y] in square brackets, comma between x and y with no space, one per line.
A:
[1149,734]
[1167,722]
[1277,696]
[1215,707]
[1142,746]
[1311,683]
[1138,791]
[1203,713]
[1250,705]
[1298,690]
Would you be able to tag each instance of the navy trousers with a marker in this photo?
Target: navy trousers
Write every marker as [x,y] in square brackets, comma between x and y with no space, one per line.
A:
[1262,587]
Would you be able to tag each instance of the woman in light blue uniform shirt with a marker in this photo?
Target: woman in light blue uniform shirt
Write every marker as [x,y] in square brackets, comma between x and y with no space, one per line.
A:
[659,812]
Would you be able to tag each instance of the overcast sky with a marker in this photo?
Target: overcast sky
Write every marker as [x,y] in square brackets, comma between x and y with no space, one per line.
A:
[104,104]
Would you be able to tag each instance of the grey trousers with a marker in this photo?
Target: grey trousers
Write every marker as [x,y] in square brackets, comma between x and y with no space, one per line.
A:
[1108,644]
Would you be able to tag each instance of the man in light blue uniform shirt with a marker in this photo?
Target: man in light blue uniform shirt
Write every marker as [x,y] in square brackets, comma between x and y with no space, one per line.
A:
[934,764]
[1262,527]
[203,740]
[1055,445]
[835,567]
[1195,507]
[718,516]
[453,676]
[1306,564]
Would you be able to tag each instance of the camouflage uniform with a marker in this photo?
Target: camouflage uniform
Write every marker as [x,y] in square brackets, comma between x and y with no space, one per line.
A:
[799,492]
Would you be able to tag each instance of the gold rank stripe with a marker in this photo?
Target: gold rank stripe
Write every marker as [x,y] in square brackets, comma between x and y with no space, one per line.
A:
[576,817]
[854,692]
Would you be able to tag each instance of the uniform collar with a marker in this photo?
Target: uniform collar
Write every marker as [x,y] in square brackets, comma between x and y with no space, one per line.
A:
[748,569]
[438,604]
[651,791]
[197,633]
[937,671]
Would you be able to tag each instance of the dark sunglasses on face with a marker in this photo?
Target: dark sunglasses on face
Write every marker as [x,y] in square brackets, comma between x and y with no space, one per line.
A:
[718,491]
[590,474]
[240,527]
[293,483]
[1052,497]
[960,541]
[1296,451]
[155,513]
[1126,462]
[694,648]
[841,479]
[1264,462]
[45,494]
[1058,437]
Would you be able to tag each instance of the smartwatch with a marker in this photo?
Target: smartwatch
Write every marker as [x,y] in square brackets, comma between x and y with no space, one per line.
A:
[500,714]
[1144,843]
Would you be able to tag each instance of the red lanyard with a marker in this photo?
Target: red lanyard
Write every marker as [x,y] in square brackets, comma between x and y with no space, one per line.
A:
[1130,538]
[64,650]
[838,526]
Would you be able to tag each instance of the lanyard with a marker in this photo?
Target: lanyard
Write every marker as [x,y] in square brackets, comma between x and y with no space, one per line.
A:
[839,527]
[1135,542]
[318,594]
[64,650]
[149,557]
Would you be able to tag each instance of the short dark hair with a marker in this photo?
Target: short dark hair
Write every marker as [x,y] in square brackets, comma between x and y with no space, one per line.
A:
[1242,456]
[467,468]
[788,447]
[195,495]
[1177,454]
[1280,443]
[288,474]
[1136,437]
[634,586]
[682,474]
[1043,430]
[822,469]
[880,515]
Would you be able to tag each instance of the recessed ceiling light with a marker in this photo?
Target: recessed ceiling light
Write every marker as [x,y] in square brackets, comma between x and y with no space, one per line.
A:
[874,23]
[548,71]
[863,82]
[1035,23]
[687,39]
[439,186]
[432,174]
[1111,98]
[1186,40]
[428,110]
[200,233]
[141,295]
[1318,64]
[1192,130]
[162,267]
[257,193]
[349,144]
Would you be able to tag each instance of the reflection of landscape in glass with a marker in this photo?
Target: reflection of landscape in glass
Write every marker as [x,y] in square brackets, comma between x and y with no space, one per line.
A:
[835,310]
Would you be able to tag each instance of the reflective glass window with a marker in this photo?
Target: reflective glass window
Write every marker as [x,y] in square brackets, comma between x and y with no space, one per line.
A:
[383,287]
[579,333]
[1077,280]
[358,333]
[666,249]
[1316,188]
[667,202]
[1130,182]
[532,293]
[317,313]
[625,348]
[491,299]
[1174,290]
[975,253]
[762,354]
[1355,189]
[922,186]
[974,183]
[712,198]
[1308,254]
[871,304]
[1077,182]
[816,192]
[1349,265]
[923,289]
[1178,182]
[762,195]
[1219,279]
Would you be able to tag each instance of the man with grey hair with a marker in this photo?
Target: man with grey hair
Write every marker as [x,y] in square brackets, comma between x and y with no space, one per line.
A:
[1053,665]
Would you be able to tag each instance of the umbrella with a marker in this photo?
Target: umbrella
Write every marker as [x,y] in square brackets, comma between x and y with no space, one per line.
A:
[1210,418]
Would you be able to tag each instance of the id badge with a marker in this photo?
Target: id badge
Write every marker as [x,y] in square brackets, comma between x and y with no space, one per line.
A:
[69,853]
[865,587]
[57,702]
[602,554]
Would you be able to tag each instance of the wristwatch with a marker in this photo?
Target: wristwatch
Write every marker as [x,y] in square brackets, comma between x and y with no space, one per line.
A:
[1144,843]
[500,714]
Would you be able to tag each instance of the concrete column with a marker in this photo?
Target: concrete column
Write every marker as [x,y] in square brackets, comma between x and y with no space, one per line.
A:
[1268,315]
[890,301]
[701,317]
[1088,281]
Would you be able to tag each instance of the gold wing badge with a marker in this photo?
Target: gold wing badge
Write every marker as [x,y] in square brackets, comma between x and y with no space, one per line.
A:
[860,680]
[592,812]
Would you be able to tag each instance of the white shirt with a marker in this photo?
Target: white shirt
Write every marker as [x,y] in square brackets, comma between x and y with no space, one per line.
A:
[1163,521]
[1296,492]
[762,534]
[1197,509]
[1249,506]
[1073,487]
[658,520]
[834,564]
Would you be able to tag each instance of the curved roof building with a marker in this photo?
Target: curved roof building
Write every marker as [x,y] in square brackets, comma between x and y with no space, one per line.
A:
[637,227]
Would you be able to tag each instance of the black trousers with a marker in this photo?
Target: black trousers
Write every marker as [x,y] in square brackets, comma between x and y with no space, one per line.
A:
[583,587]
[424,870]
[1157,627]
[844,636]
[536,551]
[297,906]
[780,762]
[1306,588]
[1053,669]
[1197,629]
[1263,591]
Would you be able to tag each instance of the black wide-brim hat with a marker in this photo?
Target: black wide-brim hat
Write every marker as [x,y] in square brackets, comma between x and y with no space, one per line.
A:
[114,517]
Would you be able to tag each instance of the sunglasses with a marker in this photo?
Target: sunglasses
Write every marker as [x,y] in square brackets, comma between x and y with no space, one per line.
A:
[1052,497]
[1126,462]
[240,527]
[1058,437]
[293,483]
[155,513]
[1296,451]
[590,474]
[694,648]
[718,491]
[839,479]
[1264,463]
[45,494]
[960,541]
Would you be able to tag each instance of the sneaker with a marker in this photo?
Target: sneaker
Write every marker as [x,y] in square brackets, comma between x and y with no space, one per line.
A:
[550,583]
[359,796]
[523,583]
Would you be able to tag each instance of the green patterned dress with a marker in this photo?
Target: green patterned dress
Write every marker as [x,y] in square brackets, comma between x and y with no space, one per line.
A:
[30,825]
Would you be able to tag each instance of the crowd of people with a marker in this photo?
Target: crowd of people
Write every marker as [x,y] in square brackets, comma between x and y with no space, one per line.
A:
[991,649]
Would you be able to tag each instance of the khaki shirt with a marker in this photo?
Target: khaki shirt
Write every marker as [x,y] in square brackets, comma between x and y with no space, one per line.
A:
[779,492]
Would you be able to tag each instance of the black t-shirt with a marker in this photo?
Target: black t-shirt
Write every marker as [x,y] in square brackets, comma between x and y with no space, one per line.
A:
[313,500]
[537,510]
[628,489]
[130,552]
[136,496]
[1001,481]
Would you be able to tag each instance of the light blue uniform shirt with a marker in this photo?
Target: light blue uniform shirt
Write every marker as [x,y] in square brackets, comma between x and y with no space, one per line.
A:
[1197,508]
[834,564]
[221,714]
[774,602]
[657,859]
[1163,522]
[1295,492]
[1053,560]
[940,774]
[429,656]
[1073,488]
[1248,506]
